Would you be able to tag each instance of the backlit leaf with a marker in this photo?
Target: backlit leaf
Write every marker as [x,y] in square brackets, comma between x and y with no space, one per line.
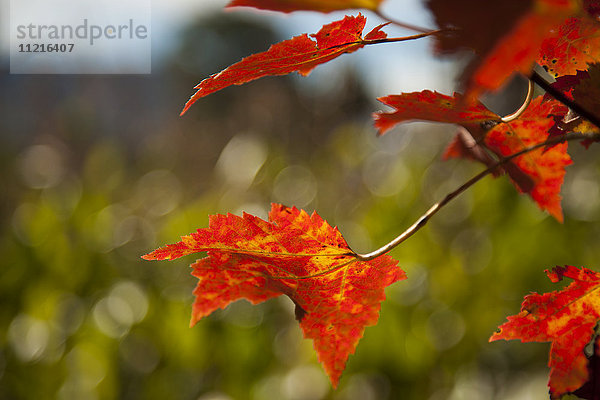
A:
[300,54]
[576,45]
[565,318]
[431,106]
[539,173]
[301,256]
[545,167]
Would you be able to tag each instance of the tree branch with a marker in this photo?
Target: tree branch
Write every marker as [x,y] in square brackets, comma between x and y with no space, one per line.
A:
[558,95]
[422,221]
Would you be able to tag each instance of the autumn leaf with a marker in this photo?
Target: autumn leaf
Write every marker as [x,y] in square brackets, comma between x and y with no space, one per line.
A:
[576,45]
[565,318]
[300,54]
[301,256]
[311,5]
[431,106]
[539,173]
[545,167]
[506,35]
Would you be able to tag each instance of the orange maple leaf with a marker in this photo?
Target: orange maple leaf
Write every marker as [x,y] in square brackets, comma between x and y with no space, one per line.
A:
[540,173]
[576,45]
[300,54]
[567,319]
[312,5]
[432,106]
[545,167]
[301,256]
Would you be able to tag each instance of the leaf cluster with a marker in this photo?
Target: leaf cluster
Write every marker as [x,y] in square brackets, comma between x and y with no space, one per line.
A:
[338,292]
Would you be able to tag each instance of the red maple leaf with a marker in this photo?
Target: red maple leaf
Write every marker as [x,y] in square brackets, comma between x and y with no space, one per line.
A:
[300,54]
[432,106]
[576,45]
[295,254]
[545,167]
[540,173]
[567,319]
[506,36]
[312,5]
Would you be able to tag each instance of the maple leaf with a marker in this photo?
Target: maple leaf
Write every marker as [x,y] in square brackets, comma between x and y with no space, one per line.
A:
[545,167]
[506,36]
[299,54]
[311,5]
[432,106]
[539,173]
[301,256]
[576,45]
[567,319]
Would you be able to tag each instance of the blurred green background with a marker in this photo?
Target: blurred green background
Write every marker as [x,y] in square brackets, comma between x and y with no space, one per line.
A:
[98,170]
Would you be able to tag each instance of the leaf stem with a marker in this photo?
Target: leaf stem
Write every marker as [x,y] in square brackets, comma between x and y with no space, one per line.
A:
[422,221]
[402,38]
[400,23]
[558,95]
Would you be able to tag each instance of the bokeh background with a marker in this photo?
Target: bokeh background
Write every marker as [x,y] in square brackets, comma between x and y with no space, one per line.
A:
[98,170]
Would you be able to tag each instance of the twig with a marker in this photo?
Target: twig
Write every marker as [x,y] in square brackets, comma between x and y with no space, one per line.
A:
[422,221]
[387,40]
[400,23]
[523,107]
[558,95]
[400,39]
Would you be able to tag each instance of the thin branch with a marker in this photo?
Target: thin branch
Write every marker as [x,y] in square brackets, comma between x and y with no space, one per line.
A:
[400,39]
[387,40]
[558,95]
[523,107]
[422,221]
[400,23]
